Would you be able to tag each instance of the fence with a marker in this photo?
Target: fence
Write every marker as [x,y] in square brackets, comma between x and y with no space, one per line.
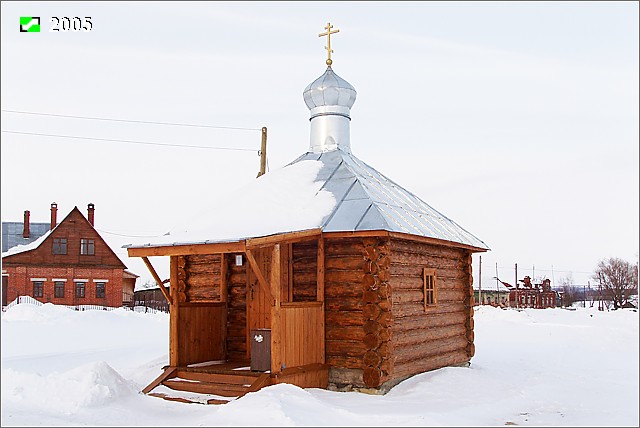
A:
[138,308]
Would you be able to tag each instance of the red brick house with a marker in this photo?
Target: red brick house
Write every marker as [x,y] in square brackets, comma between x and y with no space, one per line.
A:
[70,264]
[540,296]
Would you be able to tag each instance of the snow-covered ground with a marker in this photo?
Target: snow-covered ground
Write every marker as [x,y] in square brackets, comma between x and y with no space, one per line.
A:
[551,367]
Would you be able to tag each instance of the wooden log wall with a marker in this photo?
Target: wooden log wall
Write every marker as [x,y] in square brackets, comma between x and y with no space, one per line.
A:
[344,334]
[203,277]
[200,280]
[182,279]
[304,261]
[436,336]
[468,305]
[376,313]
[236,310]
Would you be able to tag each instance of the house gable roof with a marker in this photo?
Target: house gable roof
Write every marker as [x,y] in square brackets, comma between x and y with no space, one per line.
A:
[74,215]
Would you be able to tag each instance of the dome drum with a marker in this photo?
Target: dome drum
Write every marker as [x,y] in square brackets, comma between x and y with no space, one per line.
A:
[330,132]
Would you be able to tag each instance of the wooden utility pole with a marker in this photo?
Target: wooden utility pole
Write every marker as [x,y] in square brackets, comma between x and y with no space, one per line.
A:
[497,286]
[517,296]
[263,152]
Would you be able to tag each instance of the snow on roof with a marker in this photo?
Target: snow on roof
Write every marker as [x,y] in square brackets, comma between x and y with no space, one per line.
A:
[281,201]
[27,247]
[334,191]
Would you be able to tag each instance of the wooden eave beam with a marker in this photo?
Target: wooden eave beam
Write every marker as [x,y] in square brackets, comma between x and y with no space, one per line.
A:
[158,280]
[182,250]
[283,238]
[357,234]
[436,241]
[400,235]
[261,279]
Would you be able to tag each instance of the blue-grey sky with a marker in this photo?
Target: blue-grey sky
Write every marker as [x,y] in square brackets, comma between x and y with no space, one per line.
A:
[518,120]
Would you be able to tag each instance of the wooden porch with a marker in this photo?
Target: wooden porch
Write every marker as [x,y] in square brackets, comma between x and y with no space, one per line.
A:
[242,318]
[219,382]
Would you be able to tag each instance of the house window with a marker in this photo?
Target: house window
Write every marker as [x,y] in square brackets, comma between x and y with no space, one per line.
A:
[58,289]
[100,290]
[38,288]
[429,287]
[80,289]
[87,247]
[59,246]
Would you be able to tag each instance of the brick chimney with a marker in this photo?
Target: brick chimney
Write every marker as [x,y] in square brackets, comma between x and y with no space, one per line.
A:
[90,210]
[26,232]
[54,215]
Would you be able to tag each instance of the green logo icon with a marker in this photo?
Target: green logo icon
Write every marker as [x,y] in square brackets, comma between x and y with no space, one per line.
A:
[29,24]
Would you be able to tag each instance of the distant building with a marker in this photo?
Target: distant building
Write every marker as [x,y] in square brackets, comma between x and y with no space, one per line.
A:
[491,297]
[528,295]
[540,296]
[68,264]
[152,298]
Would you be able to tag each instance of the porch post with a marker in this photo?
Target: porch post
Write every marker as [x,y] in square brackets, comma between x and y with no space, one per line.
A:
[276,353]
[173,312]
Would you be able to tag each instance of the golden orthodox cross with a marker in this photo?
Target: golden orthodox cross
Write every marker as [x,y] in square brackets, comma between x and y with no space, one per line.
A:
[328,47]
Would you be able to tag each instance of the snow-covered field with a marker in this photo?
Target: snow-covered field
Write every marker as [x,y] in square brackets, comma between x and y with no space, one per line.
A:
[552,367]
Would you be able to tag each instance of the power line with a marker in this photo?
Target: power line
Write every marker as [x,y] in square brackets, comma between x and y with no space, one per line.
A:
[148,122]
[130,236]
[543,270]
[149,143]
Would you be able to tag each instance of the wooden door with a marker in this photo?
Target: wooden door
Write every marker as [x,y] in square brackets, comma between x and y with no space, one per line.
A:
[258,304]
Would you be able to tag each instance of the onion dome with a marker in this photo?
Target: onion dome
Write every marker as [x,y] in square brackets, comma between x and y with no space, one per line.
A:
[329,90]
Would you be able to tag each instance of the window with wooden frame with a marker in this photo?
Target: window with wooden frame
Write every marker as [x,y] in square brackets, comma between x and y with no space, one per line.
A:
[59,246]
[58,289]
[80,287]
[429,287]
[87,247]
[38,288]
[101,290]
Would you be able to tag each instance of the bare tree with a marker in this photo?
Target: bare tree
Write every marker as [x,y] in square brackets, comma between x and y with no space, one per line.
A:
[618,278]
[569,295]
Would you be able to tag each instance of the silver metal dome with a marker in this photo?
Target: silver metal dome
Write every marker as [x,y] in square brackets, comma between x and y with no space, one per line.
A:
[329,90]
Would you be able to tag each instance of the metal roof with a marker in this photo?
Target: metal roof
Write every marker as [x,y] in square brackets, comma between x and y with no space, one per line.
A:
[12,233]
[367,200]
[364,200]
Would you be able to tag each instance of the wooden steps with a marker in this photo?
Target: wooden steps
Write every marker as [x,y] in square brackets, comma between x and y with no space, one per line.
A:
[214,383]
[236,379]
[219,380]
[214,388]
